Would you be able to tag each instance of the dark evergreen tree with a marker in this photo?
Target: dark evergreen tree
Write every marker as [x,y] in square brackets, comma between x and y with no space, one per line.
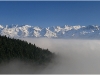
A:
[11,48]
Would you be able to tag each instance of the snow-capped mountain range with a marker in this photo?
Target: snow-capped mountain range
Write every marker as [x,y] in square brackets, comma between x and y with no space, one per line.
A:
[66,31]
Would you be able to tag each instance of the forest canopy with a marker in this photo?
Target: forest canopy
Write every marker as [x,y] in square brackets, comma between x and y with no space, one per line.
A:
[11,48]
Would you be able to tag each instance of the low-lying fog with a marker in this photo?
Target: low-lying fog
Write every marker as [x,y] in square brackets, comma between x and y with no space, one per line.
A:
[75,57]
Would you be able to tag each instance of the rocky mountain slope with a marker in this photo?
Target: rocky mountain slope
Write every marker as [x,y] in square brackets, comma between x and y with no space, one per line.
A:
[66,31]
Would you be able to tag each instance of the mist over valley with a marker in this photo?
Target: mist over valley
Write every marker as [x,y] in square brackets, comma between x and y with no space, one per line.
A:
[74,57]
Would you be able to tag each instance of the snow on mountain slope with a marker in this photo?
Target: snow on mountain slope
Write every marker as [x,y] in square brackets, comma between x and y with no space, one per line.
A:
[36,31]
[67,31]
[50,33]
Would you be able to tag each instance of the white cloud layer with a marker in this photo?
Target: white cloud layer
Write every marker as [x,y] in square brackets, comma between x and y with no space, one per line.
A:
[75,57]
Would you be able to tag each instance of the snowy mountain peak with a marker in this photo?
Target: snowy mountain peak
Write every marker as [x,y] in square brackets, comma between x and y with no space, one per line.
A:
[66,31]
[1,26]
[77,27]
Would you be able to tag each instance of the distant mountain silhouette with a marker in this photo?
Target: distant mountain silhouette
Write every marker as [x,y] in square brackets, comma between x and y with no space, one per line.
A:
[66,31]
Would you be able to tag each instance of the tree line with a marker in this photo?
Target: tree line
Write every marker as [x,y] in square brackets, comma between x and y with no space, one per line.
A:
[11,48]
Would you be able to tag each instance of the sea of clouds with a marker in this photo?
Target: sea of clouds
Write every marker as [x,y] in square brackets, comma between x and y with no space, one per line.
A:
[74,57]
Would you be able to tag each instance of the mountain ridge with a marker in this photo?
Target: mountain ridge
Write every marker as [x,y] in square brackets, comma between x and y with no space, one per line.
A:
[66,31]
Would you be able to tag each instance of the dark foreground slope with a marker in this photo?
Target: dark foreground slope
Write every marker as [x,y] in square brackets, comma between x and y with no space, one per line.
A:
[17,49]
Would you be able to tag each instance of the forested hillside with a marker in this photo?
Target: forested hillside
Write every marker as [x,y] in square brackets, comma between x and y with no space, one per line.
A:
[11,48]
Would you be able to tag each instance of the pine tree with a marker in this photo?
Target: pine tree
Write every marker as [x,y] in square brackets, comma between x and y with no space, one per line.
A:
[11,48]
